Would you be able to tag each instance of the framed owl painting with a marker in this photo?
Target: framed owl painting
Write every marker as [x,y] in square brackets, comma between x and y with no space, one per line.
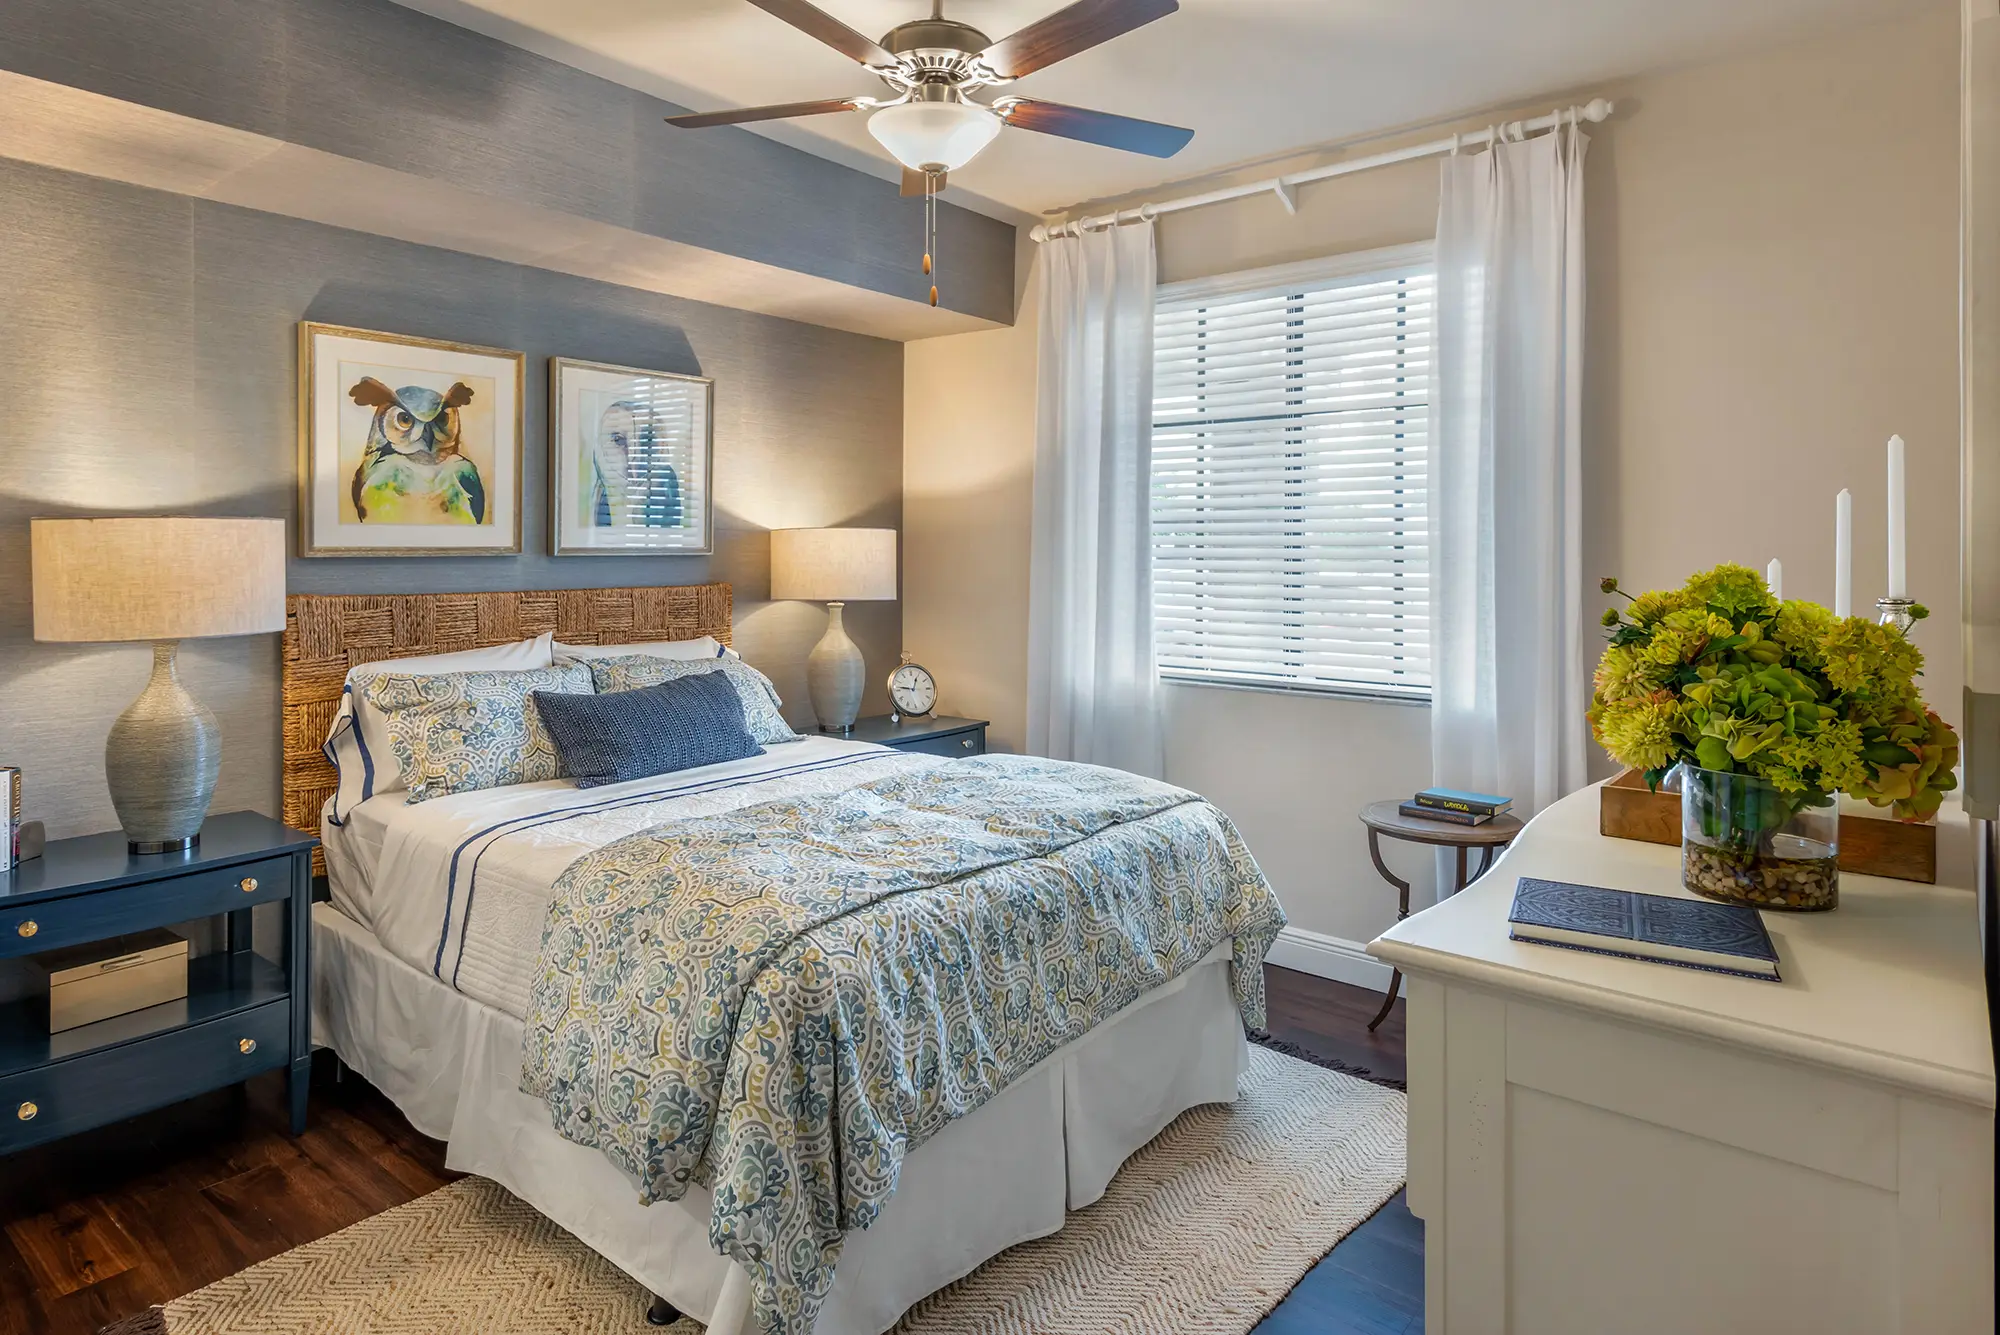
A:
[407,446]
[629,459]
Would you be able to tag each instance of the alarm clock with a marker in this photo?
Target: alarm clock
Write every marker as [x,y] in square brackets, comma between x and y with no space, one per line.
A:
[912,689]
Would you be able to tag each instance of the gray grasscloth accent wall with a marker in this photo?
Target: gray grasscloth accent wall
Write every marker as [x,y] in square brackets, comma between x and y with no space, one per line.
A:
[371,80]
[150,342]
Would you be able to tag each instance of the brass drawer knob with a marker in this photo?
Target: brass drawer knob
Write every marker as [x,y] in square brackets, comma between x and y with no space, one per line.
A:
[27,928]
[247,885]
[26,1112]
[246,1046]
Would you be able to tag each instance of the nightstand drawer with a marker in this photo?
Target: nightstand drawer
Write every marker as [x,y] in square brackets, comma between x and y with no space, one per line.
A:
[971,743]
[68,1096]
[31,929]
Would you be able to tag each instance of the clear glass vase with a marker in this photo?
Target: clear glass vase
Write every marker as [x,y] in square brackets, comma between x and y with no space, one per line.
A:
[1744,842]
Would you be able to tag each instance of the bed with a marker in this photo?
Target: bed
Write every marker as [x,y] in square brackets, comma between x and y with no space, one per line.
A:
[426,979]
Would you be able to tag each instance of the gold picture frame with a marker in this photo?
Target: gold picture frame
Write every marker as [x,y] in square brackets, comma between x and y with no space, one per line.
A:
[631,461]
[395,429]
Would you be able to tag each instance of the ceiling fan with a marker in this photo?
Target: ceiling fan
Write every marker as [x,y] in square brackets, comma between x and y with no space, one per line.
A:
[931,124]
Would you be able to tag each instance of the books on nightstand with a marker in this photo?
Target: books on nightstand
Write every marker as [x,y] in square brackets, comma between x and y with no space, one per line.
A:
[1455,806]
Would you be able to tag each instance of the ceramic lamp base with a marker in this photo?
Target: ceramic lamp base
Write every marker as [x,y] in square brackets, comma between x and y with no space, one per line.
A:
[161,762]
[834,672]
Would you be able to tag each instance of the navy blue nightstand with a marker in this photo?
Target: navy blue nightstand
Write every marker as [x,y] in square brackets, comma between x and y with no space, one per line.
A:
[929,734]
[243,1014]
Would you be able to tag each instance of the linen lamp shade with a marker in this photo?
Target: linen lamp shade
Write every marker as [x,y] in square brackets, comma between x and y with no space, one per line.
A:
[165,577]
[821,565]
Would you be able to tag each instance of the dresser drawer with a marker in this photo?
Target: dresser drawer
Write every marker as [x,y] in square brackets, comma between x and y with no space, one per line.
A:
[68,1096]
[971,743]
[33,928]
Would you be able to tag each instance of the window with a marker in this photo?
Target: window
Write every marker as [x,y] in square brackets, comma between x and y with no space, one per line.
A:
[1290,443]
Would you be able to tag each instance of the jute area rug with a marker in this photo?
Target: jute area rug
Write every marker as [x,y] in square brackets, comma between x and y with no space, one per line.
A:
[1202,1232]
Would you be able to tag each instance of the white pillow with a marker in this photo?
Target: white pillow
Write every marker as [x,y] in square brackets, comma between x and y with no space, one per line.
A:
[702,646]
[358,742]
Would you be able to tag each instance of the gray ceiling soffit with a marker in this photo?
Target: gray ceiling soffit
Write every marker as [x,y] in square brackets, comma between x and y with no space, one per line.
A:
[374,83]
[55,125]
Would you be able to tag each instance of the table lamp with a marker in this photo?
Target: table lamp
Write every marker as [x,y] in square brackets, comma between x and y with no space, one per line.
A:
[162,578]
[835,566]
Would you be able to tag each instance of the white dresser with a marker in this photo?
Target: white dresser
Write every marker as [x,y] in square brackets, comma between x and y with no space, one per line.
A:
[1601,1146]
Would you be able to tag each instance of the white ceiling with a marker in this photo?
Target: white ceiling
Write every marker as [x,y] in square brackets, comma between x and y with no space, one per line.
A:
[1252,78]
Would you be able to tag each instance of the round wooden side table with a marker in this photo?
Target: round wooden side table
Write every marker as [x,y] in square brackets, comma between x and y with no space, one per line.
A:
[1383,818]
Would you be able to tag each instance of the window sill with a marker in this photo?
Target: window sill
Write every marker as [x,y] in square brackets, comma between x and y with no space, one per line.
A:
[1360,694]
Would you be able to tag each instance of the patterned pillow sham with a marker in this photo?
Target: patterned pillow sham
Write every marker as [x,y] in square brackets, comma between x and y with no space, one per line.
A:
[358,741]
[455,732]
[760,697]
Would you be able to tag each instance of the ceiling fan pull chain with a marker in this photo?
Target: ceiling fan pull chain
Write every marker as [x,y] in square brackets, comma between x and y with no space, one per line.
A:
[930,230]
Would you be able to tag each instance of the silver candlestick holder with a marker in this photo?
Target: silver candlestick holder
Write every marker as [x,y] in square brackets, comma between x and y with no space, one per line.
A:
[1896,612]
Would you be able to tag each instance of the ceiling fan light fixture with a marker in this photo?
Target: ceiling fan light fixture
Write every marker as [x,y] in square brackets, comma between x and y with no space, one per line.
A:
[934,136]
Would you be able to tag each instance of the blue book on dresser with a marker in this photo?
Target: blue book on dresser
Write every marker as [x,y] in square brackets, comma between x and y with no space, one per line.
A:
[1693,933]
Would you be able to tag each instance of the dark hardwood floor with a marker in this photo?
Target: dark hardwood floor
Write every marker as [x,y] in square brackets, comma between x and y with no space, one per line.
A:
[1331,1019]
[105,1224]
[108,1223]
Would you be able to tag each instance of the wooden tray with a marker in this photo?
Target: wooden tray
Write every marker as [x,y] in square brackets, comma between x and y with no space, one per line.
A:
[1868,846]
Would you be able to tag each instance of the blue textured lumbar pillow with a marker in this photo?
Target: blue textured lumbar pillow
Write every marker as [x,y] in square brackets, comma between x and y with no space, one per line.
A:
[675,725]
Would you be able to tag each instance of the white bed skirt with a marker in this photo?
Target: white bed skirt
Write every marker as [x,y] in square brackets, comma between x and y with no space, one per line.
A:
[1003,1174]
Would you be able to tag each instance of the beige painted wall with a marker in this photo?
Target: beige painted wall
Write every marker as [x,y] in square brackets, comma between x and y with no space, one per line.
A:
[1773,280]
[968,495]
[1772,292]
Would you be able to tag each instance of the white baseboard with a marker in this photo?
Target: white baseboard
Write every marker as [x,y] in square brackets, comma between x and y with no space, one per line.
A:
[1325,956]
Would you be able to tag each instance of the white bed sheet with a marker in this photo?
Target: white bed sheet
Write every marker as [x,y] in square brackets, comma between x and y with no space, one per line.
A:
[459,887]
[352,850]
[1005,1173]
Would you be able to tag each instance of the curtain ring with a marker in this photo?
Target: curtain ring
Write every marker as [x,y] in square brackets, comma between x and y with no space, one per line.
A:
[1147,213]
[1454,143]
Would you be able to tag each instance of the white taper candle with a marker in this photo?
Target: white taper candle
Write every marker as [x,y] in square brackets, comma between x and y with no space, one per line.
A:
[1843,553]
[1898,569]
[1774,576]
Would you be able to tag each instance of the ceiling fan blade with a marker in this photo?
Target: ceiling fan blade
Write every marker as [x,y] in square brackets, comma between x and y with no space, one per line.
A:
[775,112]
[816,22]
[1062,34]
[914,183]
[1094,127]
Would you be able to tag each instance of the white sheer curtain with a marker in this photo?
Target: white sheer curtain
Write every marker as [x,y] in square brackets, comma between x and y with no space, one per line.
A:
[1093,691]
[1506,500]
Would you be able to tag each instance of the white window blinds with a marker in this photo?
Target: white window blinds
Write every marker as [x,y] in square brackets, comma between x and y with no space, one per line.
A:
[1290,441]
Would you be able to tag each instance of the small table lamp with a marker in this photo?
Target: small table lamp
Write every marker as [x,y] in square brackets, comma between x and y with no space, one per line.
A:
[834,566]
[161,578]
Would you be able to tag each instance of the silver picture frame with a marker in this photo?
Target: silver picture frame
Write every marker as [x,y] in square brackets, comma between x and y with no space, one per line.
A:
[631,461]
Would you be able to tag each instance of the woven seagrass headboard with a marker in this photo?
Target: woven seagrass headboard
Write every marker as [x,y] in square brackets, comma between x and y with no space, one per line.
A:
[325,635]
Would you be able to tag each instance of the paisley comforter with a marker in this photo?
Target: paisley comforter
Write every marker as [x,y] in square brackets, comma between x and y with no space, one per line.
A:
[780,1002]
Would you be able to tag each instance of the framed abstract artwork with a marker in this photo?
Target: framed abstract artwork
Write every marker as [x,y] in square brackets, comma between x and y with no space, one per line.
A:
[407,446]
[629,459]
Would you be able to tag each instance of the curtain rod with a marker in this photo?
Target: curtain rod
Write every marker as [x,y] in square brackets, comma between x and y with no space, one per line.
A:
[1284,187]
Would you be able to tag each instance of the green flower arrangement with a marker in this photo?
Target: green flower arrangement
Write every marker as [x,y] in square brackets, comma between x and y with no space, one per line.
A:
[1721,675]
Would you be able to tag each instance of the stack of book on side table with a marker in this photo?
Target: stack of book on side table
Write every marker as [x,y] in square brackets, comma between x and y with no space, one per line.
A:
[1456,807]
